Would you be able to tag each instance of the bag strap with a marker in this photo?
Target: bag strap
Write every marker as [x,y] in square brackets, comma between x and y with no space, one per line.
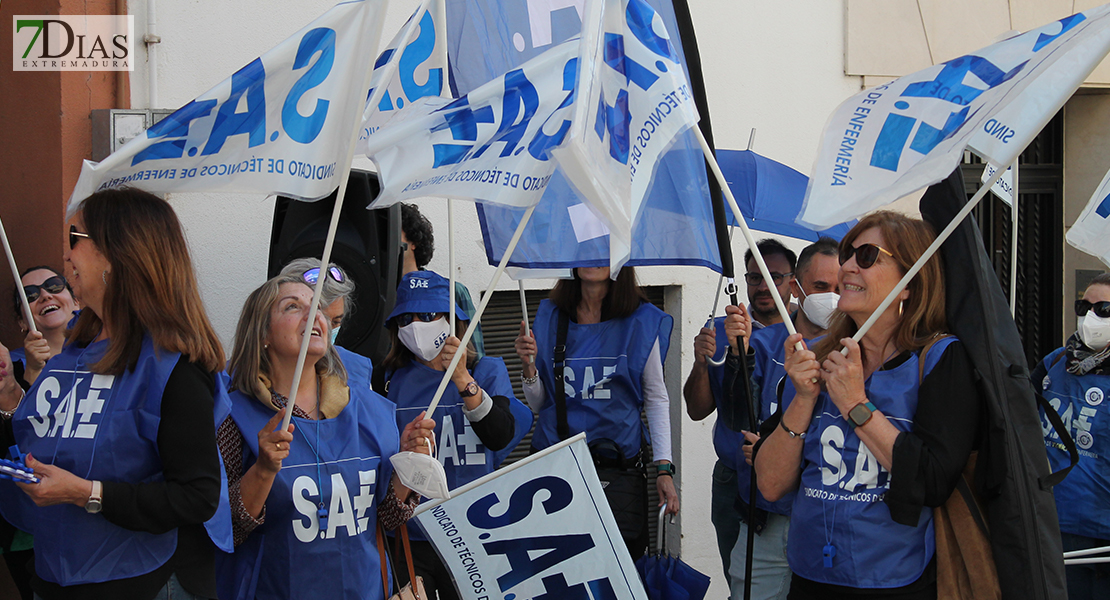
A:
[1057,423]
[408,561]
[972,505]
[562,428]
[384,558]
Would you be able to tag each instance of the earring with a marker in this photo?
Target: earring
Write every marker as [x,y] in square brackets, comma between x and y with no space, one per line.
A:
[104,277]
[900,307]
[265,346]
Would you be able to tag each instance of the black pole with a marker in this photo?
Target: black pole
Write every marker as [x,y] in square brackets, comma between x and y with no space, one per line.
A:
[724,246]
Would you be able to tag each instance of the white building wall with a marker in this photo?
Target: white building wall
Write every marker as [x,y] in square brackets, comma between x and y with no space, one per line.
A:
[773,66]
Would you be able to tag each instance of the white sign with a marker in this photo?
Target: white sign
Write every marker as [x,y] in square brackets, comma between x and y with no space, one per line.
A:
[1004,187]
[538,529]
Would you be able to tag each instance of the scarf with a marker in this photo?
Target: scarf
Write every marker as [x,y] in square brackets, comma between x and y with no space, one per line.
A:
[1083,360]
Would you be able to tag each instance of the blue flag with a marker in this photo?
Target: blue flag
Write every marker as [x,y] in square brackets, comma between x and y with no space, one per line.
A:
[675,223]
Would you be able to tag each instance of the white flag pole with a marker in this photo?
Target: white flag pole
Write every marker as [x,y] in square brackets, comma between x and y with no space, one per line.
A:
[524,308]
[929,252]
[451,261]
[712,160]
[481,309]
[18,281]
[1014,240]
[345,175]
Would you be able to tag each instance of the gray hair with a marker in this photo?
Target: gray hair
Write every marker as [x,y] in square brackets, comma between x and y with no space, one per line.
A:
[333,290]
[249,358]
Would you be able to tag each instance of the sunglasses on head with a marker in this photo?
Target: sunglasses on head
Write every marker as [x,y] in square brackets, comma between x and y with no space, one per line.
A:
[313,275]
[866,254]
[1102,309]
[54,285]
[405,319]
[75,236]
[755,279]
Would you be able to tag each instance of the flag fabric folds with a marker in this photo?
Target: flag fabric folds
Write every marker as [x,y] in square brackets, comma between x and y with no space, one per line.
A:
[491,145]
[634,101]
[279,125]
[420,68]
[500,542]
[894,139]
[770,195]
[675,222]
[1090,232]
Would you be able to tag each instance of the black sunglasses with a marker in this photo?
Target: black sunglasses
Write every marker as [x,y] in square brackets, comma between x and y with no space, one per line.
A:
[866,254]
[75,236]
[54,285]
[405,319]
[755,279]
[1102,309]
[313,275]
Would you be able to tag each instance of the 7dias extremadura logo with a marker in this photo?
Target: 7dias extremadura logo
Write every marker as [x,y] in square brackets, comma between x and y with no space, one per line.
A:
[73,42]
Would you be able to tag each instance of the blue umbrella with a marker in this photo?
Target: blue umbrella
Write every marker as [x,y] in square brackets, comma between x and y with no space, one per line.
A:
[770,195]
[668,578]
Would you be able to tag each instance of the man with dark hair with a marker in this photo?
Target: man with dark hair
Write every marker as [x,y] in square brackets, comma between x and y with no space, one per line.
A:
[815,285]
[780,262]
[419,243]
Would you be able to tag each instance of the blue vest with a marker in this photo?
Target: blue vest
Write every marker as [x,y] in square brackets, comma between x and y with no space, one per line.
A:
[1083,497]
[359,368]
[289,556]
[461,452]
[99,427]
[766,373]
[19,355]
[604,372]
[840,499]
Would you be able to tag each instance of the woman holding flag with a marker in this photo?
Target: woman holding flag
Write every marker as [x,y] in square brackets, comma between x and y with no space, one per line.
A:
[306,502]
[120,425]
[593,363]
[479,420]
[874,439]
[52,307]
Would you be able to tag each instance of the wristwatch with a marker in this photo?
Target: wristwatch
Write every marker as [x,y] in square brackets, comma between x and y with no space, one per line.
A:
[665,469]
[860,414]
[94,504]
[471,389]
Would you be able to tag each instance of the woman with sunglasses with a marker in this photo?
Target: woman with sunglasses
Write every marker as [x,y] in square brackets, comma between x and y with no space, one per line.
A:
[613,343]
[478,421]
[120,425]
[1075,379]
[306,501]
[874,438]
[52,307]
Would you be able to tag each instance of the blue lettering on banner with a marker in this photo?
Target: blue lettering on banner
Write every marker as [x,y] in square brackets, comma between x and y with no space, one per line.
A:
[305,129]
[250,80]
[1103,209]
[518,106]
[949,86]
[1065,25]
[418,51]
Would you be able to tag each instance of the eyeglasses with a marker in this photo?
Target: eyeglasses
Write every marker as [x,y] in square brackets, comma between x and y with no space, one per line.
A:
[75,236]
[313,274]
[755,279]
[405,319]
[54,285]
[1102,309]
[866,254]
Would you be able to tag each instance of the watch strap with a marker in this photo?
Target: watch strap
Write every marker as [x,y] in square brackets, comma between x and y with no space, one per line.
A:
[666,469]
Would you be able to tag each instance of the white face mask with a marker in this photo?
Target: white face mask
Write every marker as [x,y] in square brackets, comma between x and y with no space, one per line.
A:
[819,307]
[1094,331]
[425,339]
[421,473]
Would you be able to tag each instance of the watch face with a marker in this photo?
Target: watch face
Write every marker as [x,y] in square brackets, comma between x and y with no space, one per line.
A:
[859,414]
[471,390]
[92,506]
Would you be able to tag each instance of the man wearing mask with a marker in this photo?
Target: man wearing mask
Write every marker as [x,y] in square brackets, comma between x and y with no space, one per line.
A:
[815,285]
[703,388]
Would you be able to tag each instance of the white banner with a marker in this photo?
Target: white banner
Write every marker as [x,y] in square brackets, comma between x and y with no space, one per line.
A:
[1004,187]
[491,145]
[894,139]
[280,125]
[538,529]
[420,71]
[1091,232]
[634,100]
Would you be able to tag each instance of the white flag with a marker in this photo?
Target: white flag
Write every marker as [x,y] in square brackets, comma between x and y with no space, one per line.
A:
[894,139]
[491,145]
[1090,232]
[280,125]
[419,71]
[634,100]
[537,529]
